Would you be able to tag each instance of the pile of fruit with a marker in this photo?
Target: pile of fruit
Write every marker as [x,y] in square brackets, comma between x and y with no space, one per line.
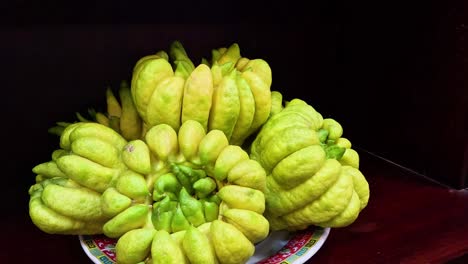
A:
[197,164]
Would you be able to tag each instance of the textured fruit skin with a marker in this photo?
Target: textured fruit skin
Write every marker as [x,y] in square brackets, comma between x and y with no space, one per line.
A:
[157,196]
[313,175]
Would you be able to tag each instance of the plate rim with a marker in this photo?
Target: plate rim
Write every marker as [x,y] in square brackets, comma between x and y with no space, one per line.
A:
[87,251]
[317,246]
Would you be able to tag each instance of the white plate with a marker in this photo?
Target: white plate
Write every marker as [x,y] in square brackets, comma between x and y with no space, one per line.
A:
[293,248]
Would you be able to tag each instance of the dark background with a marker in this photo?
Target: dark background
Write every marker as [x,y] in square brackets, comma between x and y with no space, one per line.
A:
[393,73]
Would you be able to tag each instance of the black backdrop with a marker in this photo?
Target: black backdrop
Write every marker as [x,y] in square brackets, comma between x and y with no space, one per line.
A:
[393,73]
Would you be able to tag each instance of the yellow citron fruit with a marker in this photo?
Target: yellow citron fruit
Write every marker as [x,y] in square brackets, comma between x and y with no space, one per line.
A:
[231,246]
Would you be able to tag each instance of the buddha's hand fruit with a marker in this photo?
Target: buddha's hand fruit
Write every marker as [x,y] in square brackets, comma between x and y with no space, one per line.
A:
[73,190]
[312,172]
[61,206]
[186,197]
[227,96]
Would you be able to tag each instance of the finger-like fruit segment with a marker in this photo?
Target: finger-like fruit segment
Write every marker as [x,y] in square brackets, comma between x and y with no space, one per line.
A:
[284,144]
[113,106]
[248,173]
[327,206]
[179,221]
[48,169]
[136,156]
[132,185]
[246,111]
[58,153]
[131,218]
[211,145]
[164,250]
[261,68]
[350,158]
[240,65]
[226,105]
[184,178]
[65,136]
[361,186]
[276,103]
[158,55]
[333,127]
[243,198]
[280,201]
[164,185]
[145,79]
[343,142]
[78,203]
[97,130]
[231,246]
[299,166]
[165,105]
[231,54]
[211,210]
[197,247]
[178,237]
[296,114]
[163,213]
[50,221]
[190,134]
[203,187]
[347,216]
[197,99]
[217,73]
[227,159]
[113,202]
[261,92]
[253,225]
[134,246]
[114,123]
[130,121]
[192,208]
[86,172]
[184,66]
[276,126]
[97,150]
[162,141]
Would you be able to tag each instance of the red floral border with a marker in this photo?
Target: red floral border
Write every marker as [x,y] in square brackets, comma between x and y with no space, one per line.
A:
[106,245]
[294,245]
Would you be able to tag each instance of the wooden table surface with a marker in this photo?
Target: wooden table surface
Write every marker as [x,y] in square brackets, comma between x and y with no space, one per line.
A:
[408,220]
